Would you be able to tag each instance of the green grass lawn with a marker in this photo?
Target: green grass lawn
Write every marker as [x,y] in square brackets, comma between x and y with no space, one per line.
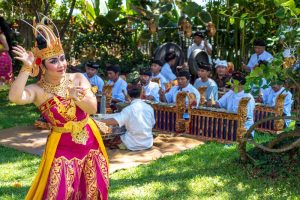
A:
[210,171]
[16,168]
[12,115]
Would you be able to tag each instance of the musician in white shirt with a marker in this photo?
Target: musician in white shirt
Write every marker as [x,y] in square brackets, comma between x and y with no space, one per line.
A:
[230,100]
[166,70]
[119,85]
[91,70]
[269,98]
[202,44]
[184,85]
[138,119]
[260,55]
[155,69]
[150,89]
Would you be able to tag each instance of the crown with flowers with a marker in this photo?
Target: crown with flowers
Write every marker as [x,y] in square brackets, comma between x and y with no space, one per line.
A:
[53,47]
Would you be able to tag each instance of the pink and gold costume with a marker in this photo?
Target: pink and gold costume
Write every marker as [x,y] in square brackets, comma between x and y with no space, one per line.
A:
[75,163]
[5,66]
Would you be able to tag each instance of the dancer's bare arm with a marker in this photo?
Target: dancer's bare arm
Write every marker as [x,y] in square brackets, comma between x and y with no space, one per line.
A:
[19,93]
[82,94]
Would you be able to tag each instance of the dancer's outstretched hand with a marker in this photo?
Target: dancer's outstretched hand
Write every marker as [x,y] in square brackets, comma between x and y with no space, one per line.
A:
[26,57]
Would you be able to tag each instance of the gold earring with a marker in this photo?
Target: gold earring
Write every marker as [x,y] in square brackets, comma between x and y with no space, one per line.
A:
[43,70]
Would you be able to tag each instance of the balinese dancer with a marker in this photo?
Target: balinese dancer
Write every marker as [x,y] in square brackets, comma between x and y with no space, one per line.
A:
[74,164]
[6,73]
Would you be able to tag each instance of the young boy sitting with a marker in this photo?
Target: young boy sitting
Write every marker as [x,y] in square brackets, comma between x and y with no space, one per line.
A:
[270,94]
[230,100]
[204,81]
[138,119]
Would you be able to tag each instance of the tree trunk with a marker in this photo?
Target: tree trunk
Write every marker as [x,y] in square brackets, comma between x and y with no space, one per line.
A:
[33,6]
[242,150]
[64,28]
[46,7]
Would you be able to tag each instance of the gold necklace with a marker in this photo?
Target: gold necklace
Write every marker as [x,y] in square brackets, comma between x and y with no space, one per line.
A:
[60,89]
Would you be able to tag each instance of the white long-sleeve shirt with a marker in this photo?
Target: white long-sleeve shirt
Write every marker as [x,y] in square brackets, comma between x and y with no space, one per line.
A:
[255,58]
[153,90]
[162,80]
[167,72]
[171,95]
[269,98]
[194,46]
[138,119]
[230,101]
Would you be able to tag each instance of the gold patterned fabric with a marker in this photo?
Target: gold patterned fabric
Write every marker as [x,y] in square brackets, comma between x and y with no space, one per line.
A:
[79,169]
[64,117]
[77,178]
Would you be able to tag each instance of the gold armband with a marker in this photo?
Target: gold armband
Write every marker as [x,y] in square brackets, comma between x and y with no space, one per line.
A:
[79,97]
[27,69]
[32,71]
[94,89]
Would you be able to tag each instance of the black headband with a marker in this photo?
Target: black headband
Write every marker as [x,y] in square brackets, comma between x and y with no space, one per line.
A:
[113,68]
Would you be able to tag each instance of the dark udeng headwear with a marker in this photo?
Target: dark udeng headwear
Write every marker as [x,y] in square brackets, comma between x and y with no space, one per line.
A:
[170,56]
[199,34]
[92,65]
[204,66]
[146,72]
[239,77]
[184,73]
[158,62]
[113,68]
[259,42]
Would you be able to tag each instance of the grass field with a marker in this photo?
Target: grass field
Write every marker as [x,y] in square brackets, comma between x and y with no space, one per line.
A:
[210,171]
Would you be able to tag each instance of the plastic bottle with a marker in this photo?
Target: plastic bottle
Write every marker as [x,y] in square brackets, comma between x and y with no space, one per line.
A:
[103,104]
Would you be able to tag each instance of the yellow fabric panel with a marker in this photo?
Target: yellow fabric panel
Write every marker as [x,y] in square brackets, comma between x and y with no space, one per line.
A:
[97,135]
[38,186]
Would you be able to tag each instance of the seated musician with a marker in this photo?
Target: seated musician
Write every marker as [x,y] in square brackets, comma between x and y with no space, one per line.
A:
[150,90]
[260,55]
[166,70]
[119,85]
[138,119]
[155,69]
[91,70]
[200,42]
[184,85]
[270,94]
[230,100]
[203,72]
[222,76]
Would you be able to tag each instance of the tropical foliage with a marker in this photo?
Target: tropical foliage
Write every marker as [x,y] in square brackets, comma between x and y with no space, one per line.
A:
[128,33]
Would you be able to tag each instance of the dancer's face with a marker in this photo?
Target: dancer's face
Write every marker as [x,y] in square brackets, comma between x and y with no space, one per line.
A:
[56,66]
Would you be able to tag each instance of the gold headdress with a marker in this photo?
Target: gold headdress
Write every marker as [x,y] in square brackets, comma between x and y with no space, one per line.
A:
[52,46]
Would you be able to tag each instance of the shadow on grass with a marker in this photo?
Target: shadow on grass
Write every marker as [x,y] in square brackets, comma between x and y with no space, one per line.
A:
[208,171]
[15,193]
[15,115]
[17,172]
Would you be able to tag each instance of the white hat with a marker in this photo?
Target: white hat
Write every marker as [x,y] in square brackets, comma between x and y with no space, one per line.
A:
[287,53]
[222,63]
